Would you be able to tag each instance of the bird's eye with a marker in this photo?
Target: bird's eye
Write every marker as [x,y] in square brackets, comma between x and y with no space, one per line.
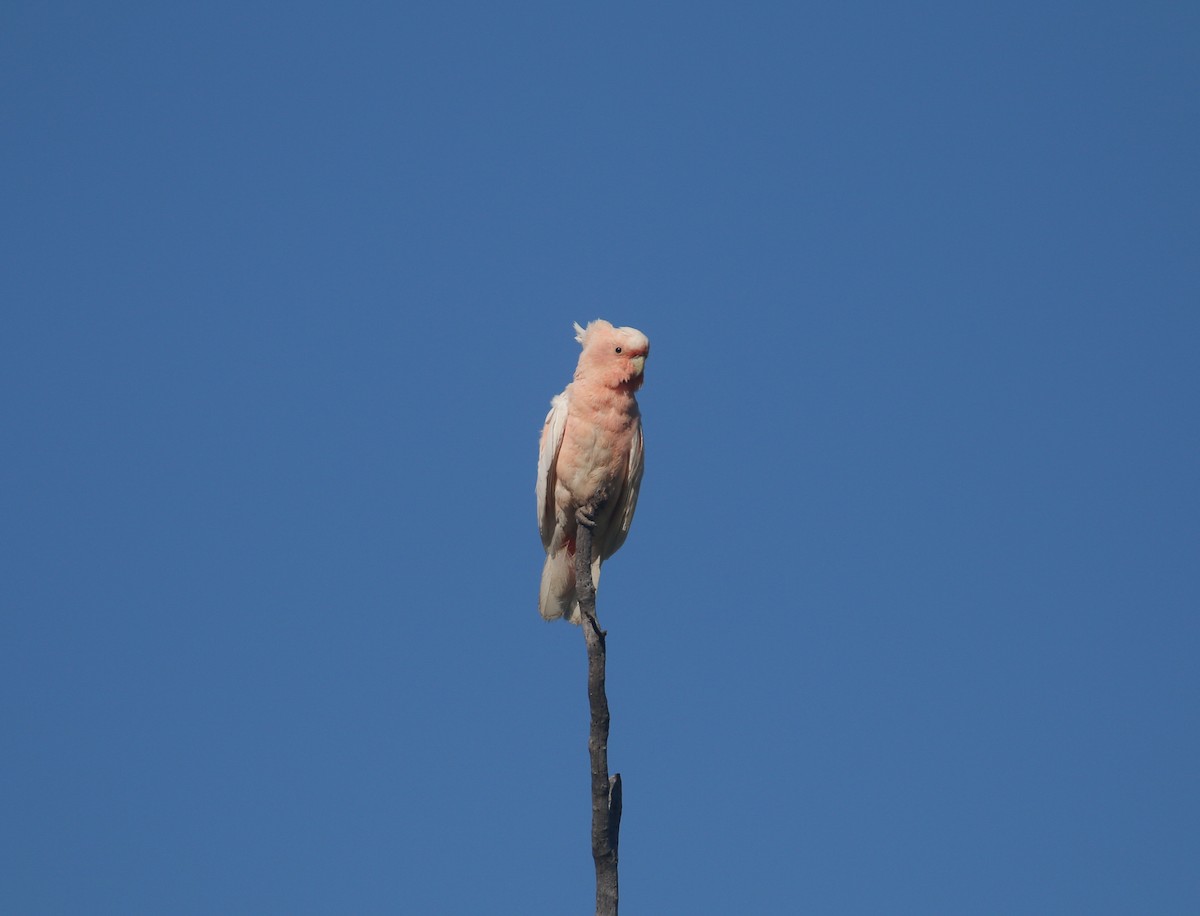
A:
[618,349]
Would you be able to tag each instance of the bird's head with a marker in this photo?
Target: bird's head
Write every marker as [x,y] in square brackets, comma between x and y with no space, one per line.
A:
[613,357]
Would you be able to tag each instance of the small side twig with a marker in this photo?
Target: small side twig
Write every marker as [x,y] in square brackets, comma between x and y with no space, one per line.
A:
[606,791]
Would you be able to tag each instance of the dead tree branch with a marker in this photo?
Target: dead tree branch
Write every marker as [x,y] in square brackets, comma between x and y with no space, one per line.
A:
[606,791]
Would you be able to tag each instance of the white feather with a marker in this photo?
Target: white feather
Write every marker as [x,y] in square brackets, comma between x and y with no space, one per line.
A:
[552,436]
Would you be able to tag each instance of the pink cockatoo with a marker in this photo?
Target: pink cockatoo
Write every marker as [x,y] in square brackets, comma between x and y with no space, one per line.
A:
[590,457]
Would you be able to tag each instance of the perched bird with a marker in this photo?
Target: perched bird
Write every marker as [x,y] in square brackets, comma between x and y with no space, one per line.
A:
[590,457]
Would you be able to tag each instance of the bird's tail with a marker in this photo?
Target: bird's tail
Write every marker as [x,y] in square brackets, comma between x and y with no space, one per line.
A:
[558,586]
[557,597]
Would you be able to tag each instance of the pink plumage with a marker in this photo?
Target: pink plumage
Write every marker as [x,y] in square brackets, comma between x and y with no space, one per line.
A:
[590,455]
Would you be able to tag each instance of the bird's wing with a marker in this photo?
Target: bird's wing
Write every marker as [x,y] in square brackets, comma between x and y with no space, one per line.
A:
[622,515]
[552,436]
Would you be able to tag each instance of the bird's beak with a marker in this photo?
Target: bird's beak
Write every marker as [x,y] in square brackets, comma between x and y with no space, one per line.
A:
[639,363]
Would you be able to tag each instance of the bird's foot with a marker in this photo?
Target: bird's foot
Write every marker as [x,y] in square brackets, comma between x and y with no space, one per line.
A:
[585,517]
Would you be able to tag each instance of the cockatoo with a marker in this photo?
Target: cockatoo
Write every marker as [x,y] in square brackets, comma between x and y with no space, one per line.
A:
[590,457]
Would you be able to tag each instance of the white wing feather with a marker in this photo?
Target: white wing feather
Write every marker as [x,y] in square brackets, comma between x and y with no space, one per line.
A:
[552,436]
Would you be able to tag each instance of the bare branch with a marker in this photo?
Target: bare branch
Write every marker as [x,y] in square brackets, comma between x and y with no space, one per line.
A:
[606,792]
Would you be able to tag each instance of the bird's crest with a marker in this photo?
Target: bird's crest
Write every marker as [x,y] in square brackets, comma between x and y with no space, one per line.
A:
[581,334]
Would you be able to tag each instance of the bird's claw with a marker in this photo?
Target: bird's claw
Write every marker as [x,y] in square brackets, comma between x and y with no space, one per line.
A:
[585,518]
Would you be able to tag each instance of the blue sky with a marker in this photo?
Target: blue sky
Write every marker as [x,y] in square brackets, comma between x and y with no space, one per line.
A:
[907,621]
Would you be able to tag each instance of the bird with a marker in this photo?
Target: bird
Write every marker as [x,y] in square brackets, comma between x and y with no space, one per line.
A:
[590,458]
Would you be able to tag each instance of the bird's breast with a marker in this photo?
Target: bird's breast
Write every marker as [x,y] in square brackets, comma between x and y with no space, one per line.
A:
[594,454]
